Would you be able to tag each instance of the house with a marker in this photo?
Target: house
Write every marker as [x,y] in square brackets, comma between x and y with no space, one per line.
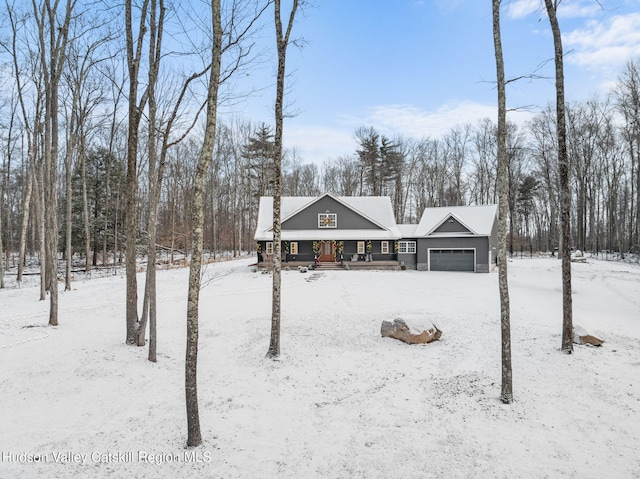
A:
[362,232]
[330,229]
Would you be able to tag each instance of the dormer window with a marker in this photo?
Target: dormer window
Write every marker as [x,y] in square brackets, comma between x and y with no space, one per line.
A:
[327,220]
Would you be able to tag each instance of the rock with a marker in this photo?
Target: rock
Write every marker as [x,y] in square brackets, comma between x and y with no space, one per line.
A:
[409,333]
[303,269]
[592,340]
[581,336]
[578,257]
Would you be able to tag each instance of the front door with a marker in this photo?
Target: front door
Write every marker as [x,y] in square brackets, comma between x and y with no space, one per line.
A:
[327,252]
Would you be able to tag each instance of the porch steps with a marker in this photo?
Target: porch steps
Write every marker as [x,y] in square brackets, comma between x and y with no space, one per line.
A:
[328,266]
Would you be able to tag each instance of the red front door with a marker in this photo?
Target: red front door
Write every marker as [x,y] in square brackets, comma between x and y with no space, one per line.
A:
[327,252]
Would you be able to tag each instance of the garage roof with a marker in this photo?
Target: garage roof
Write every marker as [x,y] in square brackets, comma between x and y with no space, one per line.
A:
[479,220]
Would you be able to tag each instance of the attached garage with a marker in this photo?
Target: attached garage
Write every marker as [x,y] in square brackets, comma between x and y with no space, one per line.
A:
[452,260]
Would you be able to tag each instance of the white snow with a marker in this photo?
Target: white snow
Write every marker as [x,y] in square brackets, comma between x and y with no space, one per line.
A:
[342,402]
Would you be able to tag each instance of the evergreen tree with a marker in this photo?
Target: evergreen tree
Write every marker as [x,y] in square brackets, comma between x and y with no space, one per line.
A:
[259,153]
[370,161]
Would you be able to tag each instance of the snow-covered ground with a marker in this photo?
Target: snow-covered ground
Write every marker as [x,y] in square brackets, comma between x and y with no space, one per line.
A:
[342,402]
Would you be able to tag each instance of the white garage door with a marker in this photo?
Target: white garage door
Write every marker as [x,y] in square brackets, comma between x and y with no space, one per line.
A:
[452,260]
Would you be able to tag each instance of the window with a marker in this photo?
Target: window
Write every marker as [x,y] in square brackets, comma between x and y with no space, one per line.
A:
[360,247]
[294,247]
[269,248]
[327,220]
[384,247]
[407,247]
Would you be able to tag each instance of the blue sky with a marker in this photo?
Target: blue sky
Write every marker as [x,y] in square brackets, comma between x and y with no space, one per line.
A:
[421,67]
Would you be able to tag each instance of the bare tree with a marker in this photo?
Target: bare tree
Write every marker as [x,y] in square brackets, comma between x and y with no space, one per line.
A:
[86,95]
[134,58]
[503,192]
[565,194]
[282,41]
[2,187]
[543,144]
[156,166]
[117,93]
[628,103]
[193,419]
[53,35]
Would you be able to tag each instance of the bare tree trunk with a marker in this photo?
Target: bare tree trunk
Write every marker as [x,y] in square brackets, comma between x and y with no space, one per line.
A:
[156,168]
[149,307]
[565,195]
[282,41]
[1,247]
[68,165]
[194,437]
[85,213]
[116,251]
[41,230]
[7,194]
[53,52]
[31,143]
[506,395]
[117,95]
[26,207]
[134,54]
[107,205]
[150,287]
[68,216]
[51,227]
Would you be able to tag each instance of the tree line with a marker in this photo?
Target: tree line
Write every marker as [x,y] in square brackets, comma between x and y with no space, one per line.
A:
[457,169]
[89,186]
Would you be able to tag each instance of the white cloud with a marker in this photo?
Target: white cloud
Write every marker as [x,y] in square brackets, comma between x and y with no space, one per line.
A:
[411,121]
[523,8]
[579,9]
[317,144]
[605,45]
[568,9]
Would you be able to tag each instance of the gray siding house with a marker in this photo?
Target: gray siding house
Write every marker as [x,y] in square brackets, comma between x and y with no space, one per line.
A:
[362,232]
[329,229]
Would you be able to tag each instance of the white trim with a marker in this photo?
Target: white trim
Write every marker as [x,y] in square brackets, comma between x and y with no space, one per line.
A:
[361,250]
[293,245]
[457,233]
[384,247]
[324,224]
[475,255]
[268,248]
[407,243]
[331,234]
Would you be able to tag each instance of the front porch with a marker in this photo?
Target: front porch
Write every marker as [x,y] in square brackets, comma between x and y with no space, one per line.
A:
[358,253]
[266,263]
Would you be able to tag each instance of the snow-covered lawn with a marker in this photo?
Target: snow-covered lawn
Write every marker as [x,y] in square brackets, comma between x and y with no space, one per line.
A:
[343,401]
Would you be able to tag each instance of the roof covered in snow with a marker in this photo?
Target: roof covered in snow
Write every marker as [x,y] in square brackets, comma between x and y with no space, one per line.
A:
[470,220]
[408,231]
[375,209]
[478,220]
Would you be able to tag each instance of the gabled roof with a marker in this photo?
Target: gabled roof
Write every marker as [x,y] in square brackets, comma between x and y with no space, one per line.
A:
[479,220]
[376,209]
